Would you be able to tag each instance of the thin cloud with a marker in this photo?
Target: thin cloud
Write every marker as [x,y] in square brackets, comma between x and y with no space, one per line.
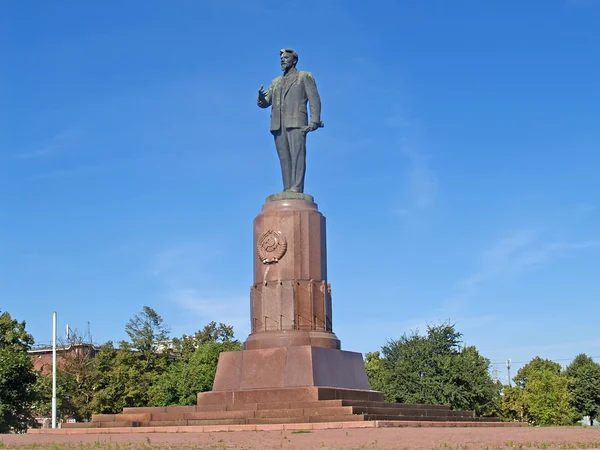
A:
[380,330]
[183,263]
[565,349]
[515,254]
[184,270]
[422,184]
[399,120]
[584,209]
[59,143]
[67,173]
[229,310]
[582,4]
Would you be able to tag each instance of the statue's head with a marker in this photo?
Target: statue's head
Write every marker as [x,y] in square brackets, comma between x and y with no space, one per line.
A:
[289,58]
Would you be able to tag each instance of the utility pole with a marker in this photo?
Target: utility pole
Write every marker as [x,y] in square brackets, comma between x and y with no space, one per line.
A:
[495,376]
[508,361]
[54,369]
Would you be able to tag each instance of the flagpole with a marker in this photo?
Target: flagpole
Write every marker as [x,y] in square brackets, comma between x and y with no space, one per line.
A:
[54,369]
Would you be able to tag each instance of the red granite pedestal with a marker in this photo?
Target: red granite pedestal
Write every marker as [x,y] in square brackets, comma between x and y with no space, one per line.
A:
[291,344]
[290,367]
[290,299]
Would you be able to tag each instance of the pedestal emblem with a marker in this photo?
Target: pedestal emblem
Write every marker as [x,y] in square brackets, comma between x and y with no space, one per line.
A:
[271,246]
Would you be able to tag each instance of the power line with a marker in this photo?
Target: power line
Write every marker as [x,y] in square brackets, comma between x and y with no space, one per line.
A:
[502,363]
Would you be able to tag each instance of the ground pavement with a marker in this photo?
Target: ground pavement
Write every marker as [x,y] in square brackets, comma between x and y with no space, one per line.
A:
[371,438]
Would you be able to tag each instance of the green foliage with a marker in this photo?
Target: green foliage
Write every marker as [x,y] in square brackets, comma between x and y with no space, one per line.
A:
[181,383]
[187,345]
[124,377]
[375,370]
[147,331]
[17,380]
[151,371]
[435,369]
[585,388]
[541,395]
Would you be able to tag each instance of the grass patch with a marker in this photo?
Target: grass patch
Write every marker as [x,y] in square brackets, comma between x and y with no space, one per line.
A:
[559,445]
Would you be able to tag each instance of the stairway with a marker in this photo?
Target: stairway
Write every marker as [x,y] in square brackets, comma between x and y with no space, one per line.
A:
[280,406]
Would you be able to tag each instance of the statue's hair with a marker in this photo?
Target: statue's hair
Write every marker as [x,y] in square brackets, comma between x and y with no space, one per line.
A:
[289,50]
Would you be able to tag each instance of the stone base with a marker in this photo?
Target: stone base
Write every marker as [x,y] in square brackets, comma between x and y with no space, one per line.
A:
[311,396]
[301,407]
[287,195]
[290,367]
[277,339]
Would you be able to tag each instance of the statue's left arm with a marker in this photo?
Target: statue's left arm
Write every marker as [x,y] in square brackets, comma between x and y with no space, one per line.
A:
[314,101]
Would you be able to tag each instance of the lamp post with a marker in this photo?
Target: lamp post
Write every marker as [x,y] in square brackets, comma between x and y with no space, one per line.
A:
[54,369]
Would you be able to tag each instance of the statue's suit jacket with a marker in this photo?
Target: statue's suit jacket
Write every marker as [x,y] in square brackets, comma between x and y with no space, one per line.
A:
[289,98]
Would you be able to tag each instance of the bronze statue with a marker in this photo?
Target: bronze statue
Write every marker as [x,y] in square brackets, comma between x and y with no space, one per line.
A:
[288,95]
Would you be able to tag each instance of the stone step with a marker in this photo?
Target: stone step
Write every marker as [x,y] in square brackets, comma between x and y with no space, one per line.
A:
[307,419]
[422,419]
[400,412]
[278,395]
[330,422]
[347,418]
[81,425]
[233,414]
[193,422]
[240,414]
[349,405]
[304,412]
[106,424]
[275,420]
[201,408]
[392,405]
[287,405]
[282,419]
[173,409]
[160,409]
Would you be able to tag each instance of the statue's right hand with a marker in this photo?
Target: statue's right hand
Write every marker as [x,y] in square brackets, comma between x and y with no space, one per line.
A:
[261,92]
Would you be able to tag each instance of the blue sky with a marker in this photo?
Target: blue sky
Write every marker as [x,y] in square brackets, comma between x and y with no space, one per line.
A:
[458,166]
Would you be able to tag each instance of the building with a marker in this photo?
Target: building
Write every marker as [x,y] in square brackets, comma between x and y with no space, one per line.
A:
[42,355]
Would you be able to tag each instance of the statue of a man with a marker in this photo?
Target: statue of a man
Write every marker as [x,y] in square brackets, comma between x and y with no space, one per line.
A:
[288,95]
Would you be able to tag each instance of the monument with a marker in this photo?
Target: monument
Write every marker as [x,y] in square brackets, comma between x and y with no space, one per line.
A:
[292,369]
[292,343]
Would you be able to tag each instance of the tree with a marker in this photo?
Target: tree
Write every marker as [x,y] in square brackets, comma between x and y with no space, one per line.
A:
[375,371]
[150,371]
[541,395]
[124,376]
[434,369]
[195,370]
[585,389]
[107,382]
[17,379]
[75,375]
[74,378]
[147,331]
[187,345]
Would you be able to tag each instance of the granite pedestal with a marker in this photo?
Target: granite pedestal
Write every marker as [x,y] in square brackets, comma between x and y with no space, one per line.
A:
[292,343]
